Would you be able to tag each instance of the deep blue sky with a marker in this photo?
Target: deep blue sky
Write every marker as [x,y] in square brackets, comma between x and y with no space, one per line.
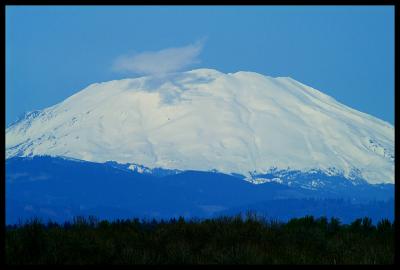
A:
[346,52]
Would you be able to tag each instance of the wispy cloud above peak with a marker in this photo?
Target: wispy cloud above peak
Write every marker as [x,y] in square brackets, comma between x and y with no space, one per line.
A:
[162,61]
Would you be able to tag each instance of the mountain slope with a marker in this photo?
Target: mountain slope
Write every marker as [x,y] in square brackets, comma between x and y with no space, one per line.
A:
[58,188]
[243,123]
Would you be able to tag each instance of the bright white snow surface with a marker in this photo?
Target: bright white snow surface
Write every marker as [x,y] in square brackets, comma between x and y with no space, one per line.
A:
[203,120]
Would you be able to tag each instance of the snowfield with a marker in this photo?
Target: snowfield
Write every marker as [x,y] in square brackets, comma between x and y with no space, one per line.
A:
[205,120]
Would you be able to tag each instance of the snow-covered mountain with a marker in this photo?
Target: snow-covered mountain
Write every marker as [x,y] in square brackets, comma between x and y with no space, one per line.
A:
[236,123]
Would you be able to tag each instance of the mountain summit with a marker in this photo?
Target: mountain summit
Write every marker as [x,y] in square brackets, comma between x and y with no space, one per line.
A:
[204,120]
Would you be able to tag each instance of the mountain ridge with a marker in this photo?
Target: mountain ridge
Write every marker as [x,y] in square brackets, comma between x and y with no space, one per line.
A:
[58,188]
